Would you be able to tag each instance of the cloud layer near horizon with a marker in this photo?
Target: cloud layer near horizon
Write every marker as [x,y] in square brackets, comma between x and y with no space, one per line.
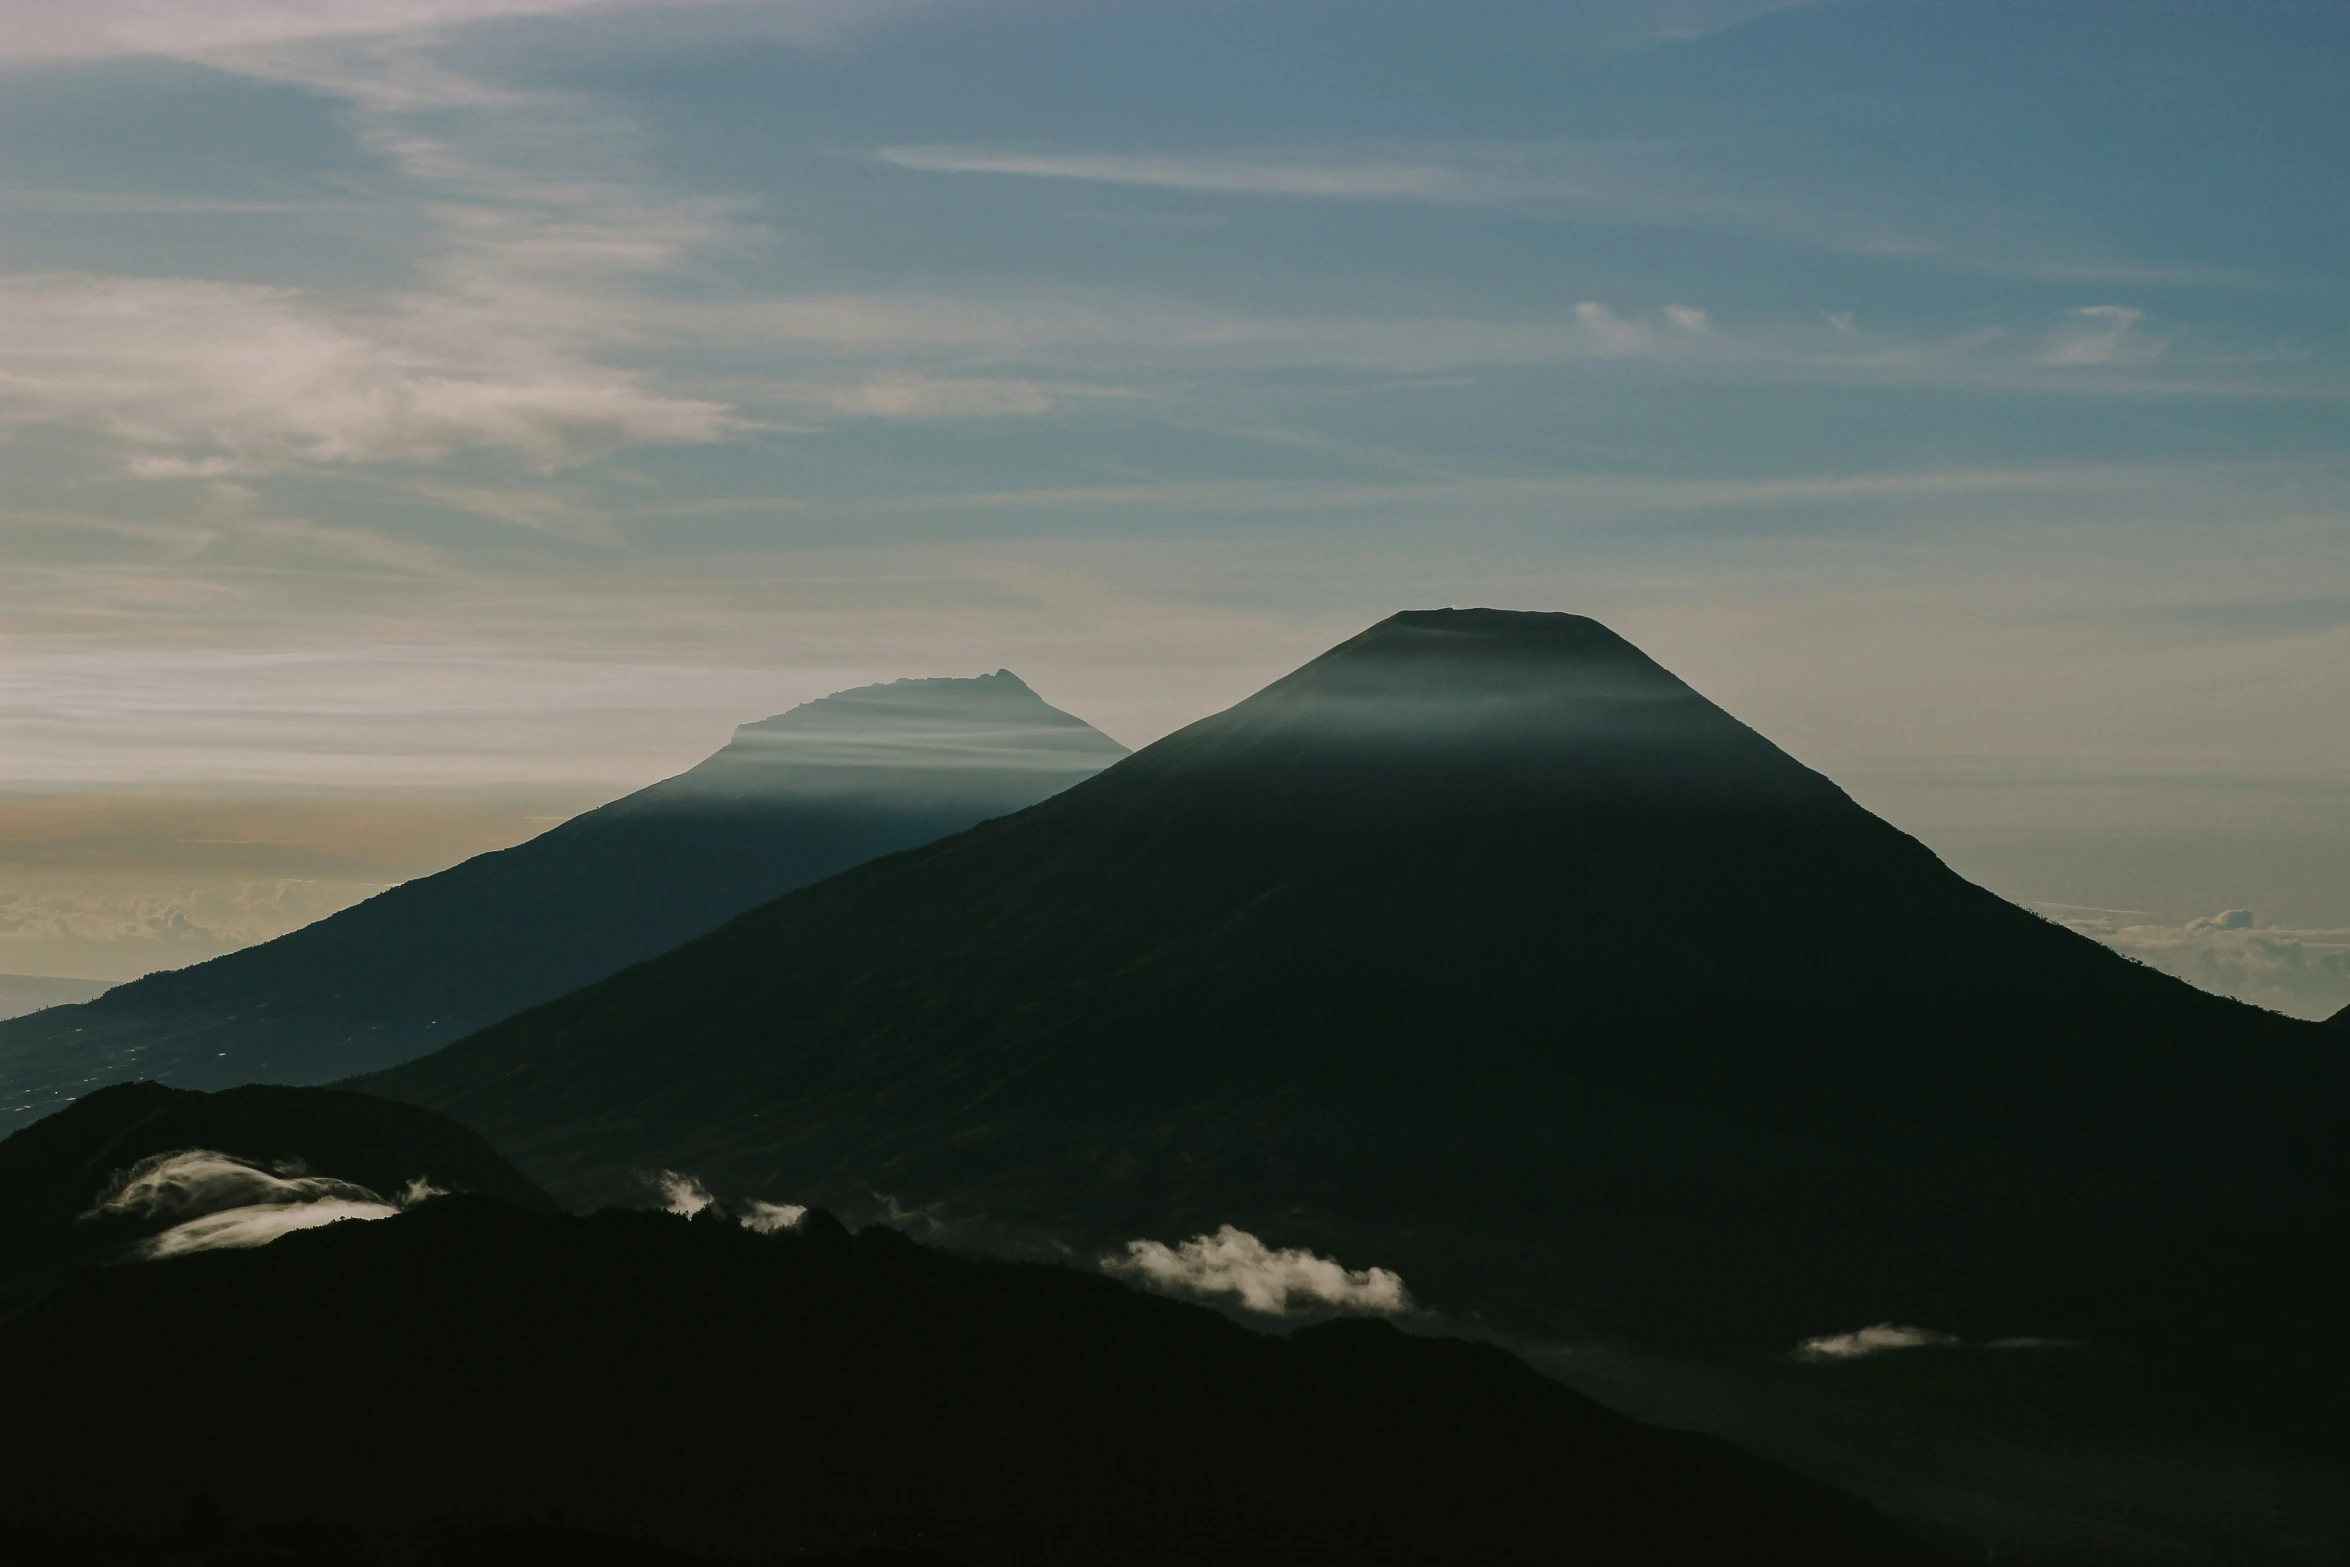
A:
[2302,972]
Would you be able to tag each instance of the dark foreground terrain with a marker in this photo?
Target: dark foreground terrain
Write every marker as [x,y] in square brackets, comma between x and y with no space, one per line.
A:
[702,1387]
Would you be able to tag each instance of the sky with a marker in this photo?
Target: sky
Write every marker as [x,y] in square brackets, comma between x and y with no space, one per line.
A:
[422,419]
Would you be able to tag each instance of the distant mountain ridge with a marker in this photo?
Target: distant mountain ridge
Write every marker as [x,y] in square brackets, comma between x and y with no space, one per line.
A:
[1485,946]
[790,800]
[23,993]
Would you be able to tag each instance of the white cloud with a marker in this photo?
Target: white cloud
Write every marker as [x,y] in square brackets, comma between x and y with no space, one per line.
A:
[257,1226]
[1620,179]
[1258,175]
[1684,21]
[1234,1263]
[680,1194]
[1875,1339]
[768,1218]
[2100,335]
[1613,334]
[685,1196]
[204,379]
[201,1180]
[216,30]
[181,925]
[221,1201]
[37,29]
[1688,318]
[2304,972]
[932,397]
[525,276]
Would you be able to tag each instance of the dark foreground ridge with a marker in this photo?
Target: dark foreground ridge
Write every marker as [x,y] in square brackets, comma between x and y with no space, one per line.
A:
[791,800]
[712,1389]
[264,1147]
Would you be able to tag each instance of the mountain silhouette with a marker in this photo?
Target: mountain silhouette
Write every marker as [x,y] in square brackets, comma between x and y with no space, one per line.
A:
[23,993]
[691,1384]
[251,1148]
[1485,949]
[790,800]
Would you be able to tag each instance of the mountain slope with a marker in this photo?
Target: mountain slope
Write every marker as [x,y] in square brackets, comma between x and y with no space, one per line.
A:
[791,800]
[1485,949]
[23,993]
[707,1387]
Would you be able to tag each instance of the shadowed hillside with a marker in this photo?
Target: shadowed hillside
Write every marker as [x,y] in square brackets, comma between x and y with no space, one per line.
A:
[1485,948]
[791,800]
[713,1389]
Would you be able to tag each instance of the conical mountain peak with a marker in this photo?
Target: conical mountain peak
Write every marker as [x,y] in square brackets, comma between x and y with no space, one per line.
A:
[895,733]
[1495,700]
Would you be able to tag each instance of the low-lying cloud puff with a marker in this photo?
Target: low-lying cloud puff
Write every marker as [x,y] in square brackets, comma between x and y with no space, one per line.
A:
[1234,1263]
[769,1217]
[258,1225]
[197,1181]
[685,1196]
[680,1194]
[1876,1339]
[221,1201]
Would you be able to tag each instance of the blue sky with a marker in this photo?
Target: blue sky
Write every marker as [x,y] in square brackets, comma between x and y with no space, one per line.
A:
[475,406]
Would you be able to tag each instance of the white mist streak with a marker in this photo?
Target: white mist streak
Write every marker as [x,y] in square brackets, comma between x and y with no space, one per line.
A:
[223,1202]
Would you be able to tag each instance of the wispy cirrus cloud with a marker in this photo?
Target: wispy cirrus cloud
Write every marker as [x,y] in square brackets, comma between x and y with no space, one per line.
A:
[2100,335]
[506,340]
[35,29]
[215,1201]
[939,397]
[1343,178]
[1622,180]
[205,379]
